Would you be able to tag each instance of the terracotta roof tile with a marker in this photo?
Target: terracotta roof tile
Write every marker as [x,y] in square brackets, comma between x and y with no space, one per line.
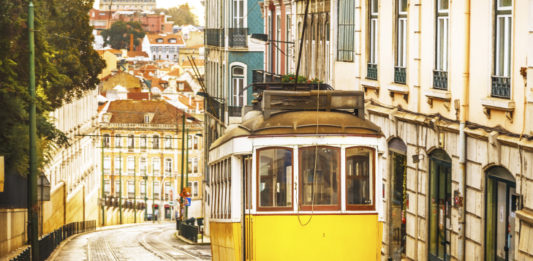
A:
[166,38]
[133,111]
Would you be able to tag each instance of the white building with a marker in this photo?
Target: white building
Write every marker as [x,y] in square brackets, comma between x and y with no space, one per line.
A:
[163,46]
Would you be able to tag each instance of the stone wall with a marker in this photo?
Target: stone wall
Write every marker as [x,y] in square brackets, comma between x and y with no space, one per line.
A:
[13,232]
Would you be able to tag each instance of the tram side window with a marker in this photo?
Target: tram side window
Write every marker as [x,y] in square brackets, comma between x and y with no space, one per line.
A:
[319,178]
[359,178]
[275,178]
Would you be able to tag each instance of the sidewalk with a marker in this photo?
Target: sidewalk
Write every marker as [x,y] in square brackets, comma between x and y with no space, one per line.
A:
[206,240]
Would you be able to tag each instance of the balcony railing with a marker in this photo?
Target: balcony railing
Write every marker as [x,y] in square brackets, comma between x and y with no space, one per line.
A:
[399,75]
[214,37]
[214,107]
[372,71]
[237,37]
[501,87]
[234,111]
[440,80]
[264,76]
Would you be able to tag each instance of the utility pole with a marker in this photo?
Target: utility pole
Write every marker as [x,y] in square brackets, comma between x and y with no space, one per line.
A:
[182,159]
[187,170]
[153,195]
[120,186]
[32,177]
[134,193]
[102,187]
[145,191]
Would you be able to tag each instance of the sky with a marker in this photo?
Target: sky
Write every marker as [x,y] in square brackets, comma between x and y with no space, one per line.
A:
[195,5]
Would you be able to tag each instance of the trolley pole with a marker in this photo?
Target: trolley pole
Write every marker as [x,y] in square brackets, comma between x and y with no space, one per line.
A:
[153,197]
[145,191]
[33,207]
[182,163]
[187,169]
[102,187]
[120,187]
[134,194]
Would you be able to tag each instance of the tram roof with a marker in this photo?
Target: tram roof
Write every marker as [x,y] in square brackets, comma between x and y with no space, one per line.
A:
[303,122]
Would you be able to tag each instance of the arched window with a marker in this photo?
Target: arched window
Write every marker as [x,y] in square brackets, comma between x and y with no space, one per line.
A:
[237,85]
[168,167]
[500,207]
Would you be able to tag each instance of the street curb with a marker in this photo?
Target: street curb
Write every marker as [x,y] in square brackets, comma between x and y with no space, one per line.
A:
[178,237]
[62,244]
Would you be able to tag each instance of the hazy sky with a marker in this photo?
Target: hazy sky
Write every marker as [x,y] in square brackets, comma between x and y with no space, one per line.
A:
[195,5]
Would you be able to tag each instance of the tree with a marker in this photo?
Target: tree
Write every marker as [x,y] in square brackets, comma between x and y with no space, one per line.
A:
[118,36]
[181,15]
[65,64]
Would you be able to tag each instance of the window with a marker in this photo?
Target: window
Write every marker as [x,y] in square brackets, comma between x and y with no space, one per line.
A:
[168,167]
[106,141]
[118,167]
[359,178]
[440,75]
[167,190]
[117,140]
[275,178]
[131,166]
[168,142]
[372,70]
[196,141]
[319,178]
[401,41]
[156,166]
[142,166]
[155,142]
[118,189]
[238,14]
[195,165]
[501,83]
[107,165]
[131,142]
[237,80]
[157,189]
[195,189]
[107,187]
[142,142]
[142,185]
[131,189]
[345,40]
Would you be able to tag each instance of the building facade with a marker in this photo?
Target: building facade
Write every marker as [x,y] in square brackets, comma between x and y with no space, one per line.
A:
[447,81]
[142,156]
[163,47]
[140,5]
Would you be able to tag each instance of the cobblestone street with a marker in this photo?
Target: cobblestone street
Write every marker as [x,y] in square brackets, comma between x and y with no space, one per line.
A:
[138,242]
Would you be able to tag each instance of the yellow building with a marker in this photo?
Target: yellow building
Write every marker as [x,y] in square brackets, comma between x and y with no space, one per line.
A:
[142,142]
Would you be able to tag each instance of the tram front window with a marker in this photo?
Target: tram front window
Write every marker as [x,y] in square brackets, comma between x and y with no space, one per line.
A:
[319,172]
[359,177]
[275,178]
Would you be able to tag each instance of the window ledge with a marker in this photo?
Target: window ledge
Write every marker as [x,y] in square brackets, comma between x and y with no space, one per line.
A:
[370,84]
[434,94]
[399,89]
[490,103]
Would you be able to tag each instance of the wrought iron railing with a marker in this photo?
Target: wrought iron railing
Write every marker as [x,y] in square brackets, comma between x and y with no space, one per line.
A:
[237,37]
[214,37]
[372,71]
[399,75]
[264,76]
[501,87]
[215,108]
[234,111]
[49,242]
[440,80]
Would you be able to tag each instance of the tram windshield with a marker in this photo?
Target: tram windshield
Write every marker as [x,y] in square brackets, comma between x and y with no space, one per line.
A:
[275,178]
[319,170]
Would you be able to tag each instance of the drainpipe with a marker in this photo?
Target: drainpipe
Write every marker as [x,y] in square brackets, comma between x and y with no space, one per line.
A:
[462,135]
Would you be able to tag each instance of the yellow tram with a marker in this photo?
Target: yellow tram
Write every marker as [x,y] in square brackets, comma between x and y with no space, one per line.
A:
[299,179]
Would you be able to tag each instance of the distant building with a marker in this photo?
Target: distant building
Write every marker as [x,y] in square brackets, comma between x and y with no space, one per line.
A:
[163,46]
[151,22]
[140,5]
[142,155]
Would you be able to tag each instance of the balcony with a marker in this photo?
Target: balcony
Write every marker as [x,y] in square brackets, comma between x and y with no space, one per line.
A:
[215,108]
[234,111]
[214,37]
[372,71]
[501,87]
[237,37]
[399,75]
[440,80]
[264,76]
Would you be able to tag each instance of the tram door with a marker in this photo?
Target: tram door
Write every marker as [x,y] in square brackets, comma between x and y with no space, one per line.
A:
[247,185]
[501,206]
[440,207]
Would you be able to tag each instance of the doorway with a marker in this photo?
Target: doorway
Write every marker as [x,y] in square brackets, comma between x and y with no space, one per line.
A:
[397,199]
[500,208]
[440,191]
